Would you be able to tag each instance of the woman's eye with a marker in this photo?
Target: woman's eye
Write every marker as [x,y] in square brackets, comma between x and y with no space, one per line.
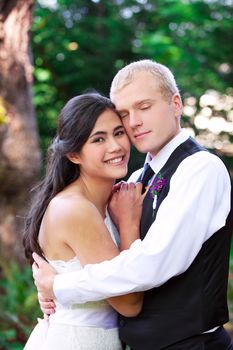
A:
[99,139]
[120,132]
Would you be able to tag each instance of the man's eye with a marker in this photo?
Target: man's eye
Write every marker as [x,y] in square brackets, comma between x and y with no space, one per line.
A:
[123,115]
[145,106]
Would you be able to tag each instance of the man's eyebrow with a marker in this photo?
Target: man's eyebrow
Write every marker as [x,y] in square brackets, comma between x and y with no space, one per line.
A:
[120,111]
[135,104]
[140,102]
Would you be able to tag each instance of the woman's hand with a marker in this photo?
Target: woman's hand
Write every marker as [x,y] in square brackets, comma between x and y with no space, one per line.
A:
[125,208]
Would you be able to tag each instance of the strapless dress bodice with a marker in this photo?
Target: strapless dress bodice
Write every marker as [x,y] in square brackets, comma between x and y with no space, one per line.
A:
[91,314]
[91,326]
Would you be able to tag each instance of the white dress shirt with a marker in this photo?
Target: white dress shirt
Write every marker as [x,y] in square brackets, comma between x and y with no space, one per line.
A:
[196,207]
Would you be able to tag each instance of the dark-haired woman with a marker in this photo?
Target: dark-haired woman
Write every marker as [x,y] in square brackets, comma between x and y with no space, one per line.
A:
[69,225]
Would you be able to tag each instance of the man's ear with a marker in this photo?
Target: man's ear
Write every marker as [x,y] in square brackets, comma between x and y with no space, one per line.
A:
[74,158]
[178,105]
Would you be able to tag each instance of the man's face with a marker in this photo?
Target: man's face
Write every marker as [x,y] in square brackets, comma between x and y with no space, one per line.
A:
[150,119]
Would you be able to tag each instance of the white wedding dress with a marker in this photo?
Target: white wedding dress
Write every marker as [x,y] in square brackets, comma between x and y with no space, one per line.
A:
[89,326]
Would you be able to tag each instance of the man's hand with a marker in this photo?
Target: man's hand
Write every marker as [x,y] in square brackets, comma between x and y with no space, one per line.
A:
[43,275]
[47,306]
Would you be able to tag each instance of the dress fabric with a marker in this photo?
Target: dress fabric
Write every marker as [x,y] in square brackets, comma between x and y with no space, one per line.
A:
[89,326]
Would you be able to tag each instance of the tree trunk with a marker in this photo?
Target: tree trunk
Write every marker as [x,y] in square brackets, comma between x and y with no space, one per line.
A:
[19,150]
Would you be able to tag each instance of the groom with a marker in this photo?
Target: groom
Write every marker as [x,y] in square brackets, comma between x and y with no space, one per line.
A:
[182,258]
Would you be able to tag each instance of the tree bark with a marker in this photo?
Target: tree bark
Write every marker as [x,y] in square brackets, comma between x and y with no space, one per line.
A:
[19,149]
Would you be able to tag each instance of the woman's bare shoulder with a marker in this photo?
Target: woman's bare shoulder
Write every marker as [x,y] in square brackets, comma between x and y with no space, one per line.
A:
[70,206]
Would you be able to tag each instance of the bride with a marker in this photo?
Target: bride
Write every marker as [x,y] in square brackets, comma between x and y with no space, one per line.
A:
[68,223]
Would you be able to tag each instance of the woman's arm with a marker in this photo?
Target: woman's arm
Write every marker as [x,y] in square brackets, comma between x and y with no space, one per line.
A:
[125,209]
[80,226]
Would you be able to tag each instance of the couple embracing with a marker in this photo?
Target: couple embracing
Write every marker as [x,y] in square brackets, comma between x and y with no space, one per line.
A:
[143,264]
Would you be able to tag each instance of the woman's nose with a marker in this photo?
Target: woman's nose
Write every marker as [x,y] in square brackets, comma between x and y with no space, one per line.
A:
[114,145]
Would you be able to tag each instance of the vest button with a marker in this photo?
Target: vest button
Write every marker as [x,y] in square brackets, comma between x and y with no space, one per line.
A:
[121,323]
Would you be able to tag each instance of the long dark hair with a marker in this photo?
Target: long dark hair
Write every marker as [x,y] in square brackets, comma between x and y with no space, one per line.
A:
[75,124]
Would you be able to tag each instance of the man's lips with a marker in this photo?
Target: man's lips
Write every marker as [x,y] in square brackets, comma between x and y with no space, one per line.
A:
[140,135]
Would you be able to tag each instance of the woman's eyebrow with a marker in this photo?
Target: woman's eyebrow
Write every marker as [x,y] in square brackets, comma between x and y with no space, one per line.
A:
[99,132]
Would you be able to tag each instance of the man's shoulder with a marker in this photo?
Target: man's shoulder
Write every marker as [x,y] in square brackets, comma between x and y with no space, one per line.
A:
[205,163]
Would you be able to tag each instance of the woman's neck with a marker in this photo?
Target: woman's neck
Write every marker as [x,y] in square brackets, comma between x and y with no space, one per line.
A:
[96,190]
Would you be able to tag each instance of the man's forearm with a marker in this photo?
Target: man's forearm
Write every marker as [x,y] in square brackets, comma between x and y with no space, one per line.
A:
[153,261]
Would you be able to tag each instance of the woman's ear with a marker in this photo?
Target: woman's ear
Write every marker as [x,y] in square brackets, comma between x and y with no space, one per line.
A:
[74,158]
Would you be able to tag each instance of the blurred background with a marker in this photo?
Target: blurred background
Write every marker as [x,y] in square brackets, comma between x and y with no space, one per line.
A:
[52,50]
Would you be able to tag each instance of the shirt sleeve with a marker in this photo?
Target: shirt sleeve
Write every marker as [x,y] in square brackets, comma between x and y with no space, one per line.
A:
[196,207]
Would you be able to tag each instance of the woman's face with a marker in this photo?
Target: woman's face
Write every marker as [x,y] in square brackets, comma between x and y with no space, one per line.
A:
[106,152]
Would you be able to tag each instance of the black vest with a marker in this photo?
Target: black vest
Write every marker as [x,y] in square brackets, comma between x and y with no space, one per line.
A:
[192,302]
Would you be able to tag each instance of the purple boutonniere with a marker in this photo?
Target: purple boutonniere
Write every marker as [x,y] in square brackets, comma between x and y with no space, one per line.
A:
[157,184]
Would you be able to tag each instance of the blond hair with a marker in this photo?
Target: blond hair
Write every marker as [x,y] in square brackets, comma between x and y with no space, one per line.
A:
[163,77]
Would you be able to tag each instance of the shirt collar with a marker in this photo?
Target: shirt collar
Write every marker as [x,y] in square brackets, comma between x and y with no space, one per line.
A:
[158,161]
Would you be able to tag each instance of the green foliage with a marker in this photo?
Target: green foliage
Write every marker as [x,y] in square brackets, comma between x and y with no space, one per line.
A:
[77,47]
[193,38]
[80,45]
[18,306]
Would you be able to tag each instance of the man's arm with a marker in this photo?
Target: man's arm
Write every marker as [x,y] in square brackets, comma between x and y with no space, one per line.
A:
[94,244]
[196,206]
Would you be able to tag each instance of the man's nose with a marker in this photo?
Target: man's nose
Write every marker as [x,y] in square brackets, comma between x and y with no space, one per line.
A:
[134,120]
